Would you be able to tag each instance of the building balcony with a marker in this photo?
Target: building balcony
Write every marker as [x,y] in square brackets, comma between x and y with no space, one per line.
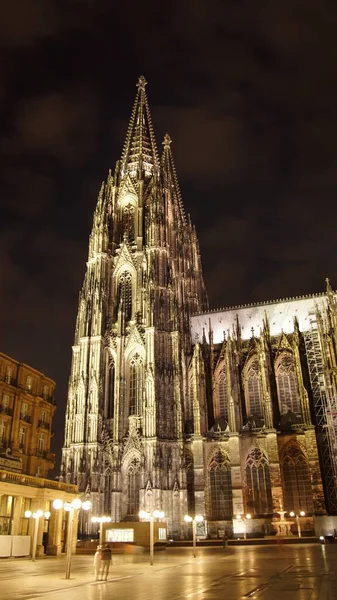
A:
[26,418]
[46,454]
[42,453]
[44,425]
[6,410]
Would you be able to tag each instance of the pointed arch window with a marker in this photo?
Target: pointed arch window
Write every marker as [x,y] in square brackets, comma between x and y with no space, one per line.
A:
[223,396]
[190,483]
[253,390]
[128,222]
[297,487]
[190,399]
[220,486]
[136,385]
[259,498]
[286,382]
[133,476]
[125,294]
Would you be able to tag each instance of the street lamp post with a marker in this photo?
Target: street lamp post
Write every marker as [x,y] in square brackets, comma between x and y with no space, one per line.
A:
[36,516]
[156,514]
[297,517]
[194,521]
[243,520]
[71,507]
[101,520]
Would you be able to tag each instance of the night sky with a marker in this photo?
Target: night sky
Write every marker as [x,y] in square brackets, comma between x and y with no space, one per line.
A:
[247,91]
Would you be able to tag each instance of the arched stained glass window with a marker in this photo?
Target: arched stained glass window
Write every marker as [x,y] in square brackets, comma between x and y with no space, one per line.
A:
[133,488]
[296,481]
[287,385]
[125,294]
[136,385]
[220,487]
[223,397]
[128,220]
[253,390]
[259,499]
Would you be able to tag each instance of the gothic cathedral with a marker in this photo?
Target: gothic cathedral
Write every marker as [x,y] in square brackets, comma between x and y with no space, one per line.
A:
[177,408]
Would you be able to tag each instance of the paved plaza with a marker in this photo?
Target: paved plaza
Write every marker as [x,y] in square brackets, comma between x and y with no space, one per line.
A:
[290,572]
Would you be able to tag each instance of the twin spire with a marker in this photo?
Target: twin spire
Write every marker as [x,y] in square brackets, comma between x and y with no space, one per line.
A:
[140,152]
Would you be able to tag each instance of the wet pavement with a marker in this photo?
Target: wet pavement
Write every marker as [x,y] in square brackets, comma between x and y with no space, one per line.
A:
[290,572]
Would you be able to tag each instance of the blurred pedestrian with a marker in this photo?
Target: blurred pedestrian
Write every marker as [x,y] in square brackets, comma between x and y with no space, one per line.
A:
[106,561]
[98,562]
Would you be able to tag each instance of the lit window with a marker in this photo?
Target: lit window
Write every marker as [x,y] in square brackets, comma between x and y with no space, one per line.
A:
[29,383]
[41,442]
[161,533]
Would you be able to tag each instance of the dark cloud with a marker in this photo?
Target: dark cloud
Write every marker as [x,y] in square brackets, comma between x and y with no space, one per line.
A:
[248,94]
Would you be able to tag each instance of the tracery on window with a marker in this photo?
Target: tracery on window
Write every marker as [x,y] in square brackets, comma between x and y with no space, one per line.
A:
[253,390]
[287,385]
[297,489]
[223,396]
[128,221]
[259,498]
[133,476]
[136,384]
[190,483]
[125,294]
[220,486]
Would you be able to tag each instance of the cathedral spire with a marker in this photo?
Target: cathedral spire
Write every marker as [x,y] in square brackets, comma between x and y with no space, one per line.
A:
[140,155]
[170,174]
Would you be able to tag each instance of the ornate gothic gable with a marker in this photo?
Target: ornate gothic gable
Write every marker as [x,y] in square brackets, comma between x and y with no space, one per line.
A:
[124,257]
[283,344]
[132,445]
[126,189]
[135,338]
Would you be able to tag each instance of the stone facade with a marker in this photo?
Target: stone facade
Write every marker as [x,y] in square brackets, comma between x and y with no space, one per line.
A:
[26,410]
[175,408]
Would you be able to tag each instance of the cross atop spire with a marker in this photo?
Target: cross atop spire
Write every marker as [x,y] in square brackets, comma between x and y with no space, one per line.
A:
[167,141]
[141,83]
[170,174]
[140,155]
